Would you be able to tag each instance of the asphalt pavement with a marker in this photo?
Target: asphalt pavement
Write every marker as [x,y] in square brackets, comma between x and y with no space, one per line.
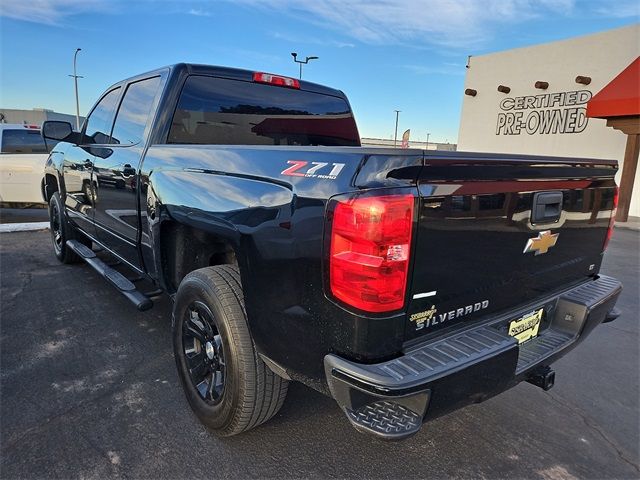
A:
[88,389]
[24,215]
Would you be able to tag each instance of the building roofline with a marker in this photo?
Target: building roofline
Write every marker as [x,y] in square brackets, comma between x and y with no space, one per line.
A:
[564,40]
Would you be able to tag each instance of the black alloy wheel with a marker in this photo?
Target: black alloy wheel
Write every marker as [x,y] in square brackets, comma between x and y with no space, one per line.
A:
[204,352]
[227,384]
[61,231]
[56,228]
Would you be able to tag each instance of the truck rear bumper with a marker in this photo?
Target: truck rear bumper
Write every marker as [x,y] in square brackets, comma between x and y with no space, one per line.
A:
[392,399]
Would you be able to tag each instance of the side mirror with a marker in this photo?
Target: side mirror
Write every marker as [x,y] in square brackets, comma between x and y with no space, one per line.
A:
[101,152]
[56,130]
[100,138]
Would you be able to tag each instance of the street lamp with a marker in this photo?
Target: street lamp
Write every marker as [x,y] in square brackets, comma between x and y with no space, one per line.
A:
[295,59]
[75,79]
[428,135]
[395,137]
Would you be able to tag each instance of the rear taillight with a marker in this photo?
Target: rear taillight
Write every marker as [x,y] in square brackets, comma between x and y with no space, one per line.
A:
[612,220]
[370,251]
[276,80]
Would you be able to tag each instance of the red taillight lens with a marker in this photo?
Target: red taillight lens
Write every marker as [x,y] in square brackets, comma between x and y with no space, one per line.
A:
[612,220]
[370,247]
[276,80]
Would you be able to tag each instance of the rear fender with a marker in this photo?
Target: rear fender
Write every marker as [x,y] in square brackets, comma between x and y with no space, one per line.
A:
[251,216]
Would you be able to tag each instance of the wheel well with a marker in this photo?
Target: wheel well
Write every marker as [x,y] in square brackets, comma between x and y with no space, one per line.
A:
[50,186]
[185,249]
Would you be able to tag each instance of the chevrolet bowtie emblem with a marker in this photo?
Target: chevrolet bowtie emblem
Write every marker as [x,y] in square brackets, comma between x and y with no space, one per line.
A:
[542,243]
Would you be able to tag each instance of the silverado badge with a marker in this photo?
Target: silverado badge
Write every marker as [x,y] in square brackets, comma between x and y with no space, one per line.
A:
[422,317]
[542,243]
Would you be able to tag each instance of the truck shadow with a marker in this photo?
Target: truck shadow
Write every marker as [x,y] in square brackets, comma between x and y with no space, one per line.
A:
[515,434]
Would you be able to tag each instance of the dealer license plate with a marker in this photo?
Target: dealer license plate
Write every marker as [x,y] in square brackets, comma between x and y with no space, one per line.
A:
[526,327]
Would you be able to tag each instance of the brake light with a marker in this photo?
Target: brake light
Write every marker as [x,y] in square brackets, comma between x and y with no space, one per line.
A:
[370,250]
[277,80]
[612,220]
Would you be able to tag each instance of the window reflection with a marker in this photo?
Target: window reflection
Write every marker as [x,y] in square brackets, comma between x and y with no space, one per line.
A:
[230,112]
[101,118]
[134,111]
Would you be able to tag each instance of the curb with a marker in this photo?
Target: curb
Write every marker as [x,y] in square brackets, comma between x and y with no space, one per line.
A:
[23,227]
[634,227]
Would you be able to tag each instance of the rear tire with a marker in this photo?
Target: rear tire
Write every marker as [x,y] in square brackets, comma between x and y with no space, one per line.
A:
[61,231]
[228,386]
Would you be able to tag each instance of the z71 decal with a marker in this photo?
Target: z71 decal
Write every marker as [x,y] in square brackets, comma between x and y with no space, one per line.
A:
[301,168]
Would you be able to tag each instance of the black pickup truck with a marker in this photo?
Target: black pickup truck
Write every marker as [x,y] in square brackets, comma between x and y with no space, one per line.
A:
[403,283]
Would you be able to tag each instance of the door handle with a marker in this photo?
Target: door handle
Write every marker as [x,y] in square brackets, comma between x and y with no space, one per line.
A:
[547,207]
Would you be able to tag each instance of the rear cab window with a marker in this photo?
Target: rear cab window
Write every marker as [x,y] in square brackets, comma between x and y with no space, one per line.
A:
[24,140]
[217,111]
[134,112]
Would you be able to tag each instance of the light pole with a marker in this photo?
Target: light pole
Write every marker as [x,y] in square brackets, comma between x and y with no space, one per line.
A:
[395,137]
[295,59]
[428,135]
[75,79]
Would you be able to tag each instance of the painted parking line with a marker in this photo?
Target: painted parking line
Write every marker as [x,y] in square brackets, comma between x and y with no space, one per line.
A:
[23,227]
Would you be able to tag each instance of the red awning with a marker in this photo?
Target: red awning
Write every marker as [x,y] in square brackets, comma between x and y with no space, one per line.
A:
[620,97]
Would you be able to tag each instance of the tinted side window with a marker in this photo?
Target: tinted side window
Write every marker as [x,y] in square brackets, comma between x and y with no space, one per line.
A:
[101,119]
[134,111]
[231,112]
[24,141]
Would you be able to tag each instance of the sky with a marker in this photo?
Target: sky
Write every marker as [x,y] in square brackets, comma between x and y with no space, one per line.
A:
[385,55]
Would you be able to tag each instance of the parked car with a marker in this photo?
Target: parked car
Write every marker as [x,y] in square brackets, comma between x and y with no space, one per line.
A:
[23,153]
[403,283]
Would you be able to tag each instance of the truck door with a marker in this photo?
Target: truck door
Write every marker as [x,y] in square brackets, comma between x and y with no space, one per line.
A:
[116,205]
[77,168]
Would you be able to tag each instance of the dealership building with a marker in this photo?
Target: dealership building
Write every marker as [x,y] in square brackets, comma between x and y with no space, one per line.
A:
[575,98]
[391,143]
[36,116]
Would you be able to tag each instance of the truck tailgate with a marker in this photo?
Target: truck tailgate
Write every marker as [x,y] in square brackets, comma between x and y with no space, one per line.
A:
[494,234]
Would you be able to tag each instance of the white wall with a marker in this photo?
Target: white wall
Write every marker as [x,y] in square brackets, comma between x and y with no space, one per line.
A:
[496,122]
[35,116]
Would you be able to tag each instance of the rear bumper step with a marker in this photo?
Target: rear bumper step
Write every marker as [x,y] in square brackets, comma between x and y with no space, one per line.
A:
[391,399]
[115,278]
[385,419]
